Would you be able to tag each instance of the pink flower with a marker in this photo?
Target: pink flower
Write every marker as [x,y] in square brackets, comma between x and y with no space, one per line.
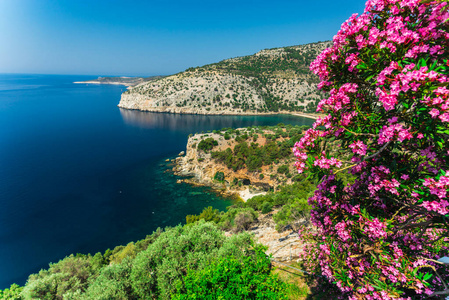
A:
[444,117]
[434,113]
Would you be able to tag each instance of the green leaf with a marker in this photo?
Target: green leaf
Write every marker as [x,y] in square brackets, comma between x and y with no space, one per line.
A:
[427,276]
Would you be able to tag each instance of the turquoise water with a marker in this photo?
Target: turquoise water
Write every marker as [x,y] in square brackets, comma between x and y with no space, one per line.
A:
[80,175]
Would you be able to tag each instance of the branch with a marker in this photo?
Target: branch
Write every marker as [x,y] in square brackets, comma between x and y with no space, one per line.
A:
[357,134]
[426,224]
[365,158]
[377,153]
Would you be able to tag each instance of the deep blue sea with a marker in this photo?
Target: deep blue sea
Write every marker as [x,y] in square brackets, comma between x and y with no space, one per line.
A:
[80,175]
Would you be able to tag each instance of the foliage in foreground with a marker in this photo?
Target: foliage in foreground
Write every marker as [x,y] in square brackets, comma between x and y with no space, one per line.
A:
[167,264]
[233,279]
[387,74]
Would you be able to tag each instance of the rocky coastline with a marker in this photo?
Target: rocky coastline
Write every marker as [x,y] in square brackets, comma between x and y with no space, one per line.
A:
[134,102]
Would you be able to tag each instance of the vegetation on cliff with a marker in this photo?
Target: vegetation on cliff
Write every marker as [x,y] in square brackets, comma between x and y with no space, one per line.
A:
[175,263]
[255,158]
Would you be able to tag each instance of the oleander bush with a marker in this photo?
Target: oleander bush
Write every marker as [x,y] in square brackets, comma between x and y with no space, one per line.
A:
[379,235]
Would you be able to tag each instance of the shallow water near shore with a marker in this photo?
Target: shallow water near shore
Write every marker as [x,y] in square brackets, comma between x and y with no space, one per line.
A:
[80,175]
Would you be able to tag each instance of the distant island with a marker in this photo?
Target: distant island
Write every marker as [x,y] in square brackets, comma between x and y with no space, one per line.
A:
[271,81]
[127,81]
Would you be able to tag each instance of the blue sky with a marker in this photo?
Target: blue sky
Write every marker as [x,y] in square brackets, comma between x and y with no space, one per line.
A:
[153,37]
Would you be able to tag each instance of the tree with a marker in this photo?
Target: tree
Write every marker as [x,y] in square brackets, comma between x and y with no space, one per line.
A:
[379,235]
[207,144]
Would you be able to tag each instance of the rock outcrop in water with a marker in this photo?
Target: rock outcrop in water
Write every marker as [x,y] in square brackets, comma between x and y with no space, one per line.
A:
[269,81]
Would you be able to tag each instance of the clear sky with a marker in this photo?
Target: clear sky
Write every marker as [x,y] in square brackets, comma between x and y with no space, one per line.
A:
[155,37]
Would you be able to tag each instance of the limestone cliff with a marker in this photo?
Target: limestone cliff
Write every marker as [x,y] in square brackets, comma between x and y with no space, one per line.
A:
[269,81]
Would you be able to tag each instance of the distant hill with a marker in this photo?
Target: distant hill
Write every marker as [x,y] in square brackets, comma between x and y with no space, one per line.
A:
[271,80]
[128,81]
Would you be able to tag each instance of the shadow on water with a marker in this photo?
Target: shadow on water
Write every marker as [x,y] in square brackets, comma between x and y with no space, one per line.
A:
[178,122]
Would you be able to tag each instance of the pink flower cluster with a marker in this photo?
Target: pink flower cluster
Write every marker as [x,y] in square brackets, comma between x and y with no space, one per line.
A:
[392,132]
[440,189]
[380,179]
[407,80]
[326,163]
[338,98]
[358,147]
[375,229]
[439,103]
[307,141]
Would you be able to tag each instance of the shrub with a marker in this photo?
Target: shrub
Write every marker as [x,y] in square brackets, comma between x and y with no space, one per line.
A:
[207,144]
[219,176]
[387,75]
[283,169]
[158,271]
[208,214]
[68,276]
[238,218]
[11,293]
[113,283]
[266,207]
[233,278]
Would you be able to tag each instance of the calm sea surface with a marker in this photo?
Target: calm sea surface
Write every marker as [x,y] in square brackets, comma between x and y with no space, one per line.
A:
[80,175]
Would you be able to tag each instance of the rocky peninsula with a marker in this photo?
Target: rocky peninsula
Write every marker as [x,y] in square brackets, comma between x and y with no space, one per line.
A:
[126,81]
[207,160]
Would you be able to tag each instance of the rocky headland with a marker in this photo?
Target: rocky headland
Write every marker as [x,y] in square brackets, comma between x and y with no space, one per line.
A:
[269,81]
[243,178]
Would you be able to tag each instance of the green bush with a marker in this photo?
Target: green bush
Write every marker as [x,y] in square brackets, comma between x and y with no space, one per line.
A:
[158,271]
[219,176]
[233,278]
[70,275]
[266,207]
[238,218]
[208,214]
[113,283]
[291,213]
[11,293]
[283,169]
